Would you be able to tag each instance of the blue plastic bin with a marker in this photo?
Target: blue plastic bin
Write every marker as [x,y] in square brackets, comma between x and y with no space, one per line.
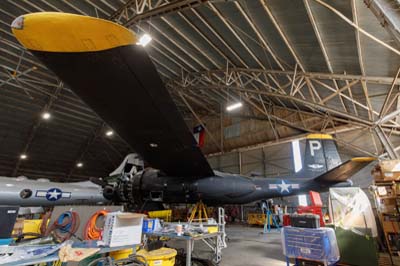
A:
[5,241]
[310,244]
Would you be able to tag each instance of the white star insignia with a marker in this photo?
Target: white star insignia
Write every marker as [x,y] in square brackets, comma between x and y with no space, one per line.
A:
[284,186]
[54,194]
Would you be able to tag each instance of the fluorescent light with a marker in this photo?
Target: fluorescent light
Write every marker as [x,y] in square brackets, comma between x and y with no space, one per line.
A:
[298,165]
[23,156]
[46,115]
[109,133]
[234,106]
[79,165]
[144,40]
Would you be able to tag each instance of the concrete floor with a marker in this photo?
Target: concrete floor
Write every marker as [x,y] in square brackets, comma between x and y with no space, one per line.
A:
[246,246]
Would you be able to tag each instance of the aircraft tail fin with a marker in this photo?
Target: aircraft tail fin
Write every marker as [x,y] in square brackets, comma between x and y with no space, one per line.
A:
[131,164]
[321,155]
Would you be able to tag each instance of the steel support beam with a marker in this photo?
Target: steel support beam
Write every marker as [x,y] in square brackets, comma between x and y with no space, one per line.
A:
[227,79]
[387,144]
[84,148]
[337,130]
[136,10]
[316,75]
[387,12]
[36,125]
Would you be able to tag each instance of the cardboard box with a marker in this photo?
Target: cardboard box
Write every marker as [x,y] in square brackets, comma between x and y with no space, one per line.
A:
[122,229]
[390,166]
[390,176]
[18,226]
[390,170]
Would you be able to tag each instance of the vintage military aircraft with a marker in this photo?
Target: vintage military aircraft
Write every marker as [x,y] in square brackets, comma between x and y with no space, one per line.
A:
[101,62]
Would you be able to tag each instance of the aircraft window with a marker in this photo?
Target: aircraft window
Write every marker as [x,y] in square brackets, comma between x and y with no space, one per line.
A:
[25,193]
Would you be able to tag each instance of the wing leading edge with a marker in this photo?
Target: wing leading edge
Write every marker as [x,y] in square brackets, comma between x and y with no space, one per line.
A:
[101,63]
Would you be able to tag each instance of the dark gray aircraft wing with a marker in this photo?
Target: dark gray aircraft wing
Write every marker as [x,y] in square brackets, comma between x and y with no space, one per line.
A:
[100,61]
[344,171]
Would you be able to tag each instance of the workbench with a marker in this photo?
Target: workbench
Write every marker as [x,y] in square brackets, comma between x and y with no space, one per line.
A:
[211,240]
[54,257]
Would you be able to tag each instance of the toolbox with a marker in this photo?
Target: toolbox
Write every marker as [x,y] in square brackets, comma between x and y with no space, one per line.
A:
[305,220]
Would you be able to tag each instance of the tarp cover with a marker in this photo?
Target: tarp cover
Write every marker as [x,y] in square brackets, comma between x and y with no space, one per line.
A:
[350,209]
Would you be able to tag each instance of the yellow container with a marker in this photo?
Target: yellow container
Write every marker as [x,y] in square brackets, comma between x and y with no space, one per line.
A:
[159,257]
[121,254]
[257,219]
[164,215]
[212,229]
[30,226]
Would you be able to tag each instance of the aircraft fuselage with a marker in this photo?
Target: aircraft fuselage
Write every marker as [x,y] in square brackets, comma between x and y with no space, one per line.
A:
[219,189]
[27,192]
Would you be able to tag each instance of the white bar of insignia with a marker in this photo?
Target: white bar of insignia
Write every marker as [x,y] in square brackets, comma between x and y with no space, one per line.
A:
[41,193]
[66,195]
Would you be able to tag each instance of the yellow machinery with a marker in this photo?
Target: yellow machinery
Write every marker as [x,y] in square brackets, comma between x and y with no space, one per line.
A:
[200,210]
[159,257]
[28,227]
[121,254]
[164,215]
[257,218]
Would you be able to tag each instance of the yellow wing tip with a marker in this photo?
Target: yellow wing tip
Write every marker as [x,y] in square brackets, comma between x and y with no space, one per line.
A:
[319,136]
[363,159]
[64,32]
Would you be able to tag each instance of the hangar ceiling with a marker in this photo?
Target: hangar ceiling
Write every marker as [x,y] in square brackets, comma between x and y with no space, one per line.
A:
[295,64]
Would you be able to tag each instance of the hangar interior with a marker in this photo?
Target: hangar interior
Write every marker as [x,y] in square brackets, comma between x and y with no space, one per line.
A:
[288,68]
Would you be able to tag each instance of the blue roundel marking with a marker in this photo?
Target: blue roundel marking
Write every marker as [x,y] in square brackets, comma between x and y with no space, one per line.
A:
[53,194]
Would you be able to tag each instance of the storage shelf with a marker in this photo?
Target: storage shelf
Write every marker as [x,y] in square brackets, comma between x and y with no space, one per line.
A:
[389,202]
[382,182]
[389,197]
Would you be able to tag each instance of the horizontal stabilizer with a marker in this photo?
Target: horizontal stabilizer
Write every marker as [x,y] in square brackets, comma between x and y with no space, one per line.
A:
[344,171]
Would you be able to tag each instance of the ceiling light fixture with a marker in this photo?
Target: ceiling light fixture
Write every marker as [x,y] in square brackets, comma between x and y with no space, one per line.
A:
[23,156]
[234,106]
[46,115]
[144,40]
[109,133]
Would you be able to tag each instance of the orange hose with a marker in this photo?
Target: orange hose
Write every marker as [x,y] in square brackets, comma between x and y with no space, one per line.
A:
[92,232]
